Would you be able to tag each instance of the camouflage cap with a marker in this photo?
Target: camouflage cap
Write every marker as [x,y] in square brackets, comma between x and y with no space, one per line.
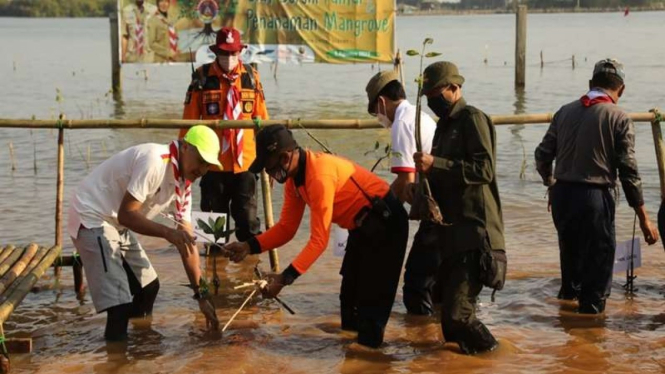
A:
[376,84]
[440,74]
[610,66]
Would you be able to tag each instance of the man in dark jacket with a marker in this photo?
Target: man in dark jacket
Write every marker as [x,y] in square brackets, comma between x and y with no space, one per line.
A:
[461,171]
[591,138]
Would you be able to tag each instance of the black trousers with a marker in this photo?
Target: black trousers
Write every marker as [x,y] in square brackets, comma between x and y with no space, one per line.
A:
[226,192]
[420,291]
[584,218]
[459,277]
[370,273]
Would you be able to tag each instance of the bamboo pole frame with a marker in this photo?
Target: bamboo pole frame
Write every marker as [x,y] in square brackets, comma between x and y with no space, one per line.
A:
[61,124]
[326,124]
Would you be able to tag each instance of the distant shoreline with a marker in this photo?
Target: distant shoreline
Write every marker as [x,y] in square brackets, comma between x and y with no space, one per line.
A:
[466,12]
[455,12]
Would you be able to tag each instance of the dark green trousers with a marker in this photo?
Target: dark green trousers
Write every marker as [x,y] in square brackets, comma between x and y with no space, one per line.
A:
[460,286]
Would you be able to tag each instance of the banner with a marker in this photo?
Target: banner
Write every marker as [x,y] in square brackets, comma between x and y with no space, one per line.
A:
[297,31]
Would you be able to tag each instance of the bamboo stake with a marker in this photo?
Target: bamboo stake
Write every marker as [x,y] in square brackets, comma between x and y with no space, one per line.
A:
[660,152]
[542,62]
[60,190]
[325,124]
[11,156]
[26,284]
[520,46]
[267,211]
[18,267]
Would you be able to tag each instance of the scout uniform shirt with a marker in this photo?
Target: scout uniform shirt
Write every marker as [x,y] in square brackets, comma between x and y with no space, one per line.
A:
[206,99]
[134,28]
[163,38]
[463,179]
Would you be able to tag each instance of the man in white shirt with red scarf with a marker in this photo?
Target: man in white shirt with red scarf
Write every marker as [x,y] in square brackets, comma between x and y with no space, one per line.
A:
[119,198]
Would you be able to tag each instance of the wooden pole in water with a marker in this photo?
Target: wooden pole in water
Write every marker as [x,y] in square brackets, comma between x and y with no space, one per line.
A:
[60,190]
[11,156]
[267,211]
[520,47]
[398,66]
[573,62]
[660,151]
[116,68]
[267,204]
[542,63]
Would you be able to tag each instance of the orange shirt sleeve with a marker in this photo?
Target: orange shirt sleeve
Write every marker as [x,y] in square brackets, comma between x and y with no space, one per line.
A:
[322,192]
[289,221]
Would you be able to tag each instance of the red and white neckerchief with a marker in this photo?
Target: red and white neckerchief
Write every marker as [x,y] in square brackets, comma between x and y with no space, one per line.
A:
[232,112]
[173,36]
[138,34]
[594,97]
[173,39]
[183,187]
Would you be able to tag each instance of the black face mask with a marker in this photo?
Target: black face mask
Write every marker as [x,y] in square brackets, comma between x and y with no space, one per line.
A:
[281,174]
[439,105]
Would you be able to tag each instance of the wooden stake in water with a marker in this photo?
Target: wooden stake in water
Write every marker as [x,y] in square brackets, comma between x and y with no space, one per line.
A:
[542,62]
[34,152]
[87,157]
[11,156]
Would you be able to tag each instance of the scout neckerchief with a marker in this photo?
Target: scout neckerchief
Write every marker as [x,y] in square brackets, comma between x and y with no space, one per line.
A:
[232,112]
[594,97]
[183,187]
[138,31]
[173,36]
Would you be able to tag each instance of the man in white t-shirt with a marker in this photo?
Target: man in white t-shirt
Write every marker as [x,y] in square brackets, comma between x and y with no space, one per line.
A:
[119,198]
[387,101]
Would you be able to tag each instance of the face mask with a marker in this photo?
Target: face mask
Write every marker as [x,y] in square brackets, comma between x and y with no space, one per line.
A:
[228,63]
[281,175]
[383,117]
[439,105]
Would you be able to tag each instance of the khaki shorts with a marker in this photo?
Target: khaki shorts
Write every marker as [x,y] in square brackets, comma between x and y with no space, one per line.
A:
[112,260]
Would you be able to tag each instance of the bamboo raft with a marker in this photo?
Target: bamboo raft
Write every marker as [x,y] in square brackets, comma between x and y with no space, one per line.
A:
[20,269]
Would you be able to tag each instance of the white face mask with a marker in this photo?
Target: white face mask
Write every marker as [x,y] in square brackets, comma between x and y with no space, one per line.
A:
[383,117]
[228,63]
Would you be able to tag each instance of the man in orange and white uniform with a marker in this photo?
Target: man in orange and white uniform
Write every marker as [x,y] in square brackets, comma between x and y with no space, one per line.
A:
[227,89]
[337,191]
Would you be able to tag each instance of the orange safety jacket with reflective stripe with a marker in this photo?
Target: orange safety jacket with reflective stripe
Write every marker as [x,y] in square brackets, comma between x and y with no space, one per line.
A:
[332,197]
[206,99]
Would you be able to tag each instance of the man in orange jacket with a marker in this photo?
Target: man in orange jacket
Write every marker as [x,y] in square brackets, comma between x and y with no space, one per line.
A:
[341,192]
[227,89]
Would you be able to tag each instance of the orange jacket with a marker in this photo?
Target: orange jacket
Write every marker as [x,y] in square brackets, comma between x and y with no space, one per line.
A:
[206,99]
[332,197]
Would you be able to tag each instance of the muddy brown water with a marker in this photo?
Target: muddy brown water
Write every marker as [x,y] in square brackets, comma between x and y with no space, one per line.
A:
[537,332]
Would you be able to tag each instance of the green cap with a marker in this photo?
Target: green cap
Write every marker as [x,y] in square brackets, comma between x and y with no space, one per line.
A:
[206,142]
[376,84]
[441,74]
